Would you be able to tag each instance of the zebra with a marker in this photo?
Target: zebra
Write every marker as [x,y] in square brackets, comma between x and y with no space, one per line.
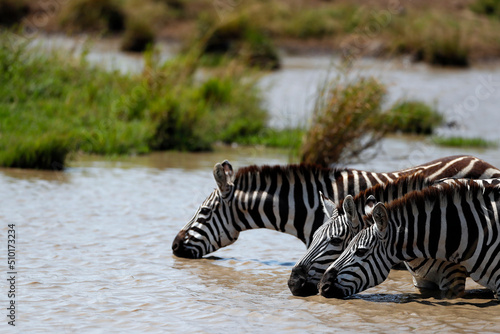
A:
[286,199]
[457,223]
[340,228]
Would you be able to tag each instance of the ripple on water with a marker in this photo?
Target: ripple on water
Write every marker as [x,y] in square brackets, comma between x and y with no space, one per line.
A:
[94,256]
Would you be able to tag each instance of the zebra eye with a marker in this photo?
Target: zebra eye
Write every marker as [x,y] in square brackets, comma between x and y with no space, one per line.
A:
[361,252]
[336,241]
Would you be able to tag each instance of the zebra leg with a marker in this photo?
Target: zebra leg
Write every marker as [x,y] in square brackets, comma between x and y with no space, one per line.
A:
[446,278]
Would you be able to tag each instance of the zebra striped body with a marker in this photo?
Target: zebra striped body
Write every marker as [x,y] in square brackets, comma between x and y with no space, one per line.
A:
[457,223]
[286,199]
[336,233]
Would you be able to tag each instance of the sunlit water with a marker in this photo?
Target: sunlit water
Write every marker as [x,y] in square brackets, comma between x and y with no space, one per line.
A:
[93,255]
[93,242]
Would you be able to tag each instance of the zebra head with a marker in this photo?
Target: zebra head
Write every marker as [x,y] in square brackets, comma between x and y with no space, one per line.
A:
[366,262]
[210,228]
[328,243]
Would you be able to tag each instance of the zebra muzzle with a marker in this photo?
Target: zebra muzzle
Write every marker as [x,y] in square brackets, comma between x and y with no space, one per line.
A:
[328,287]
[299,284]
[180,250]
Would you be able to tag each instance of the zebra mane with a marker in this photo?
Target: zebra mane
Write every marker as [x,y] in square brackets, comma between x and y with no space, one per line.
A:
[285,170]
[472,189]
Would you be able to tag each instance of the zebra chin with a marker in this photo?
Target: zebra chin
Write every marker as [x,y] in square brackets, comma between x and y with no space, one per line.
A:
[331,290]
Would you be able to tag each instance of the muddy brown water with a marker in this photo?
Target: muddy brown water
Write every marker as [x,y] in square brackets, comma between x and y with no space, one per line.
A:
[93,242]
[93,255]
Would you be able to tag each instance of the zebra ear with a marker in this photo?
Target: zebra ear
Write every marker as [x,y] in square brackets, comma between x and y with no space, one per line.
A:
[223,174]
[350,210]
[329,207]
[380,216]
[370,204]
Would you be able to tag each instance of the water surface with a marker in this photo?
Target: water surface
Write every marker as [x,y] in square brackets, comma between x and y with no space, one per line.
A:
[94,255]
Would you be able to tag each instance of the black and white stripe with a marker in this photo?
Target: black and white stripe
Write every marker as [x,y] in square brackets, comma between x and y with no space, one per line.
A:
[286,199]
[336,233]
[456,223]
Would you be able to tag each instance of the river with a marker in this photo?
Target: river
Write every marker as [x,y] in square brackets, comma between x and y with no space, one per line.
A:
[93,242]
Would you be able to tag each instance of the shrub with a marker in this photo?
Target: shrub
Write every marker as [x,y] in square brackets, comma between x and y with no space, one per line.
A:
[92,15]
[12,11]
[432,38]
[46,151]
[486,7]
[345,122]
[237,37]
[138,36]
[412,117]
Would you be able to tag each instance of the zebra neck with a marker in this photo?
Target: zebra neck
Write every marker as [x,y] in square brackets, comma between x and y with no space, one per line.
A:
[287,202]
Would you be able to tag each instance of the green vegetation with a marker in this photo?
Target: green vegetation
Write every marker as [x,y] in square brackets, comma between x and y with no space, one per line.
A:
[237,37]
[487,7]
[434,38]
[412,117]
[464,142]
[345,122]
[92,15]
[137,37]
[445,33]
[12,11]
[68,105]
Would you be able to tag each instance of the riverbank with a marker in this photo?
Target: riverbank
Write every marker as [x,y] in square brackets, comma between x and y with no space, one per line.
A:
[457,33]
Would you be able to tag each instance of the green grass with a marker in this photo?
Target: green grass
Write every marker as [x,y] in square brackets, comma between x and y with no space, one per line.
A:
[474,142]
[412,117]
[435,38]
[238,37]
[486,7]
[51,106]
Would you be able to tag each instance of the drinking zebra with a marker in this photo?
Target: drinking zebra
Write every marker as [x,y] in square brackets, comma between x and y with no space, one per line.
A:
[330,240]
[457,223]
[286,199]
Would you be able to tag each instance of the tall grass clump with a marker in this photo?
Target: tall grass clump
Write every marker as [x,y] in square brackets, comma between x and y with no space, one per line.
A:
[138,36]
[92,15]
[190,114]
[12,11]
[345,121]
[238,37]
[432,38]
[486,7]
[412,117]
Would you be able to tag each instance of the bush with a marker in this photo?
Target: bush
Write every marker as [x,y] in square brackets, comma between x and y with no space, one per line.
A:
[92,15]
[487,7]
[432,38]
[345,122]
[412,117]
[138,36]
[68,105]
[237,37]
[12,11]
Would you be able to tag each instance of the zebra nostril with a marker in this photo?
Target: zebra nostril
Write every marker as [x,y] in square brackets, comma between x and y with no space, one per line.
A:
[326,286]
[175,246]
